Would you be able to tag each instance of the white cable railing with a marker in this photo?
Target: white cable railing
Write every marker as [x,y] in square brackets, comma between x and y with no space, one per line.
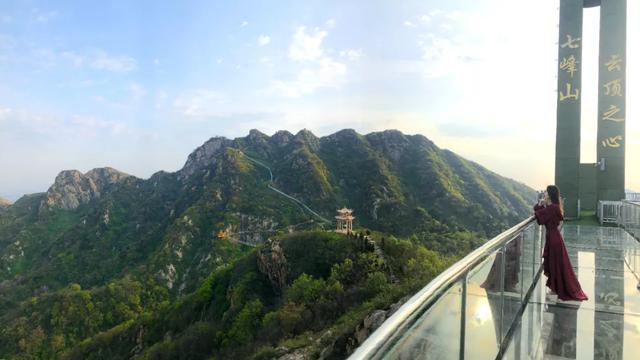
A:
[629,217]
[633,197]
[625,214]
[609,211]
[630,220]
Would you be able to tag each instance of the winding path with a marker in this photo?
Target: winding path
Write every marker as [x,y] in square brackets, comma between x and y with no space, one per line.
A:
[299,202]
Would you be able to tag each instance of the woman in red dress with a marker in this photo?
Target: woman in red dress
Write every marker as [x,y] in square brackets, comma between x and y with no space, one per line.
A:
[556,264]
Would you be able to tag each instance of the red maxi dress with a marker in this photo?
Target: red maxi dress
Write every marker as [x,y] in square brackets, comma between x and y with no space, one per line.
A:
[556,264]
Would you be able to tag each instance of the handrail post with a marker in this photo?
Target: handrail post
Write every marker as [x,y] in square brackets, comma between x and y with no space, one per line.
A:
[463,314]
[502,254]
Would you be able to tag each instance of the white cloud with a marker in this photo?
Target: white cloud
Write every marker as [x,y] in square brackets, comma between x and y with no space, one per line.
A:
[43,17]
[425,18]
[119,64]
[161,99]
[156,61]
[454,15]
[219,61]
[244,23]
[15,121]
[264,40]
[75,59]
[446,26]
[491,75]
[306,47]
[199,103]
[137,91]
[327,74]
[446,56]
[463,41]
[316,70]
[352,54]
[27,124]
[92,126]
[266,60]
[20,52]
[408,23]
[330,24]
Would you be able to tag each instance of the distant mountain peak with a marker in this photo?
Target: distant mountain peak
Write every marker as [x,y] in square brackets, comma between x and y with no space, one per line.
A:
[204,155]
[306,133]
[282,137]
[392,142]
[72,188]
[306,137]
[107,174]
[346,133]
[255,134]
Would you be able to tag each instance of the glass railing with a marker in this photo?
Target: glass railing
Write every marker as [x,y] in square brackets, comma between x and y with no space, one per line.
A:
[629,219]
[469,310]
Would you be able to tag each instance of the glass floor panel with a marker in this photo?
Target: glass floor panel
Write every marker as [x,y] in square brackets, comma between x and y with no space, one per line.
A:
[607,326]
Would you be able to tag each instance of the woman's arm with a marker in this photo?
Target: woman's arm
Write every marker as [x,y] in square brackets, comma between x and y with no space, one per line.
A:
[541,213]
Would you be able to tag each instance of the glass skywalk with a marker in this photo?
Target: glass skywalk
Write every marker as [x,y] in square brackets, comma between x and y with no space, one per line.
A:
[493,304]
[607,326]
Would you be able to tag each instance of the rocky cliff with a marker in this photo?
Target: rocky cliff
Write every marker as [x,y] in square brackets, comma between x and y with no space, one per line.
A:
[72,188]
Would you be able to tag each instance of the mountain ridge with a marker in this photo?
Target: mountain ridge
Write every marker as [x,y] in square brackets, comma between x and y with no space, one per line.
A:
[104,234]
[212,147]
[304,155]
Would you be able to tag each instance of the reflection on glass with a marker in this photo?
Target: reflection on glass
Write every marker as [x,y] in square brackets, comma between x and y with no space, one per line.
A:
[436,335]
[505,300]
[483,310]
[607,327]
[511,255]
[562,337]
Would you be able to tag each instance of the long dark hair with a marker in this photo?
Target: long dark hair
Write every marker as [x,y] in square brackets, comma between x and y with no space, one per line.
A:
[554,196]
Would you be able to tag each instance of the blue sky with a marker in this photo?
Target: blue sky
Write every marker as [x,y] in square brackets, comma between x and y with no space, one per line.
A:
[137,85]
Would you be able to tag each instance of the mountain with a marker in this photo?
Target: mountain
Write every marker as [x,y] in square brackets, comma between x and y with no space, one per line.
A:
[72,188]
[104,250]
[383,176]
[301,296]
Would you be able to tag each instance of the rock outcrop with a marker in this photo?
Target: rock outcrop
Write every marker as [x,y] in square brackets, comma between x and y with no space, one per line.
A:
[305,136]
[272,262]
[72,188]
[281,138]
[204,156]
[392,142]
[346,344]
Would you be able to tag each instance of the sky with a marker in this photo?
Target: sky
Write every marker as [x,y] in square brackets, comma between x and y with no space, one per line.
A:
[137,85]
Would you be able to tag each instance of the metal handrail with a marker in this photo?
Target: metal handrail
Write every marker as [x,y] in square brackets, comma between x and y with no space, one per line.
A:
[630,221]
[409,310]
[631,202]
[634,197]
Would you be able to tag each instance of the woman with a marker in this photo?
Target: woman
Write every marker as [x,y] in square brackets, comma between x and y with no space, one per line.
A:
[557,267]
